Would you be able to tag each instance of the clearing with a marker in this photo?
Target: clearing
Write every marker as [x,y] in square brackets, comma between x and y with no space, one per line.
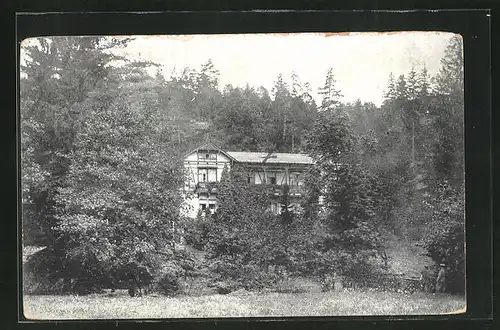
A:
[243,304]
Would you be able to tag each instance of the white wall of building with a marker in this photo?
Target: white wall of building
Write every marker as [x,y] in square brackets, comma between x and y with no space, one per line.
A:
[208,165]
[294,177]
[200,168]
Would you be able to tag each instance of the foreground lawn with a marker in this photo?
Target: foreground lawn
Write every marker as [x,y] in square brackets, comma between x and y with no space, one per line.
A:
[239,305]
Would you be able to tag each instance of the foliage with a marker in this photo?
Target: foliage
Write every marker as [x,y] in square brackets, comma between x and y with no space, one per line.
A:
[101,158]
[450,79]
[331,95]
[168,283]
[240,119]
[195,231]
[115,208]
[350,237]
[56,75]
[446,242]
[429,193]
[106,212]
[286,214]
[249,119]
[245,239]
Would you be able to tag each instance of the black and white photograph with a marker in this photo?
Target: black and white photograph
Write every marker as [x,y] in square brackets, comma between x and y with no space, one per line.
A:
[242,175]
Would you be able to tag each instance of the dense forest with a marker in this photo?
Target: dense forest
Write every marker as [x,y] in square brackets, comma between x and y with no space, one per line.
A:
[102,143]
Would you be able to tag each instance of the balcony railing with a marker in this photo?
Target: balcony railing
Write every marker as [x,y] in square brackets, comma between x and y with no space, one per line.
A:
[279,190]
[275,189]
[206,187]
[292,190]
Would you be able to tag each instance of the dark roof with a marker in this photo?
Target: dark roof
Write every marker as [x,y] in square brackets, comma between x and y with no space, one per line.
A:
[259,157]
[270,158]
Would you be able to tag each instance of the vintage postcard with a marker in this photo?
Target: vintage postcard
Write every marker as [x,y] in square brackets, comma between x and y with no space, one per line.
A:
[245,175]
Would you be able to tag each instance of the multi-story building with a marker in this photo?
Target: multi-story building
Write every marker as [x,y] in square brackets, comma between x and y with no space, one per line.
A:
[204,166]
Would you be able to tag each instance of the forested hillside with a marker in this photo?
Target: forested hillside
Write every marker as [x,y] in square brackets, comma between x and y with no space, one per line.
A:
[101,168]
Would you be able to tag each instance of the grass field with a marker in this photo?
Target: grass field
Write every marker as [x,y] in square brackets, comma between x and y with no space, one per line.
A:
[239,305]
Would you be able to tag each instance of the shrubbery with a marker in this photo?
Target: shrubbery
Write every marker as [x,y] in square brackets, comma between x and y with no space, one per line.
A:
[255,249]
[137,278]
[446,243]
[102,172]
[168,283]
[195,231]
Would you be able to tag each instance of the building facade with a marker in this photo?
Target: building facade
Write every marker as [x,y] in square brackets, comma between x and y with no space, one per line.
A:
[205,164]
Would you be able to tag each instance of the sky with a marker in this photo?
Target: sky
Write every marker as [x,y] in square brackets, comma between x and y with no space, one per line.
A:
[361,61]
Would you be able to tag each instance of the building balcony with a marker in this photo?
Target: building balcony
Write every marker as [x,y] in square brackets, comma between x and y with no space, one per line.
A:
[293,191]
[206,188]
[210,188]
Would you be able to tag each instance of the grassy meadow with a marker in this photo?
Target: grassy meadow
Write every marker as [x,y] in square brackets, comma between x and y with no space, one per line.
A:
[245,304]
[200,301]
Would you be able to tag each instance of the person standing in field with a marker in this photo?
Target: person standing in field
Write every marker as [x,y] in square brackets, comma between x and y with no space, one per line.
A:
[337,283]
[441,279]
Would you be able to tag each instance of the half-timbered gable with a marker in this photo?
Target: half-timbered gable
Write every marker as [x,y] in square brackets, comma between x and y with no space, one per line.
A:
[205,164]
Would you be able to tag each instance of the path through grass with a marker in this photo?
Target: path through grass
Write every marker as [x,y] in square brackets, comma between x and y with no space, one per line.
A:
[245,305]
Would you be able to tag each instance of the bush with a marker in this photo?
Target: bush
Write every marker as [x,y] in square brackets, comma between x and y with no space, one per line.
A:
[224,268]
[196,231]
[46,272]
[227,286]
[254,278]
[448,248]
[429,275]
[35,279]
[185,262]
[134,277]
[359,270]
[168,283]
[251,277]
[40,284]
[392,282]
[243,239]
[445,243]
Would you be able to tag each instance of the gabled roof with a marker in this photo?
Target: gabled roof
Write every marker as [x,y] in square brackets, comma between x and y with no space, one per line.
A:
[210,146]
[258,157]
[270,158]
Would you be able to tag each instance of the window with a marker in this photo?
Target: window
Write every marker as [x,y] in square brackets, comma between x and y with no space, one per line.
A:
[211,206]
[208,155]
[275,208]
[202,175]
[272,180]
[212,175]
[203,206]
